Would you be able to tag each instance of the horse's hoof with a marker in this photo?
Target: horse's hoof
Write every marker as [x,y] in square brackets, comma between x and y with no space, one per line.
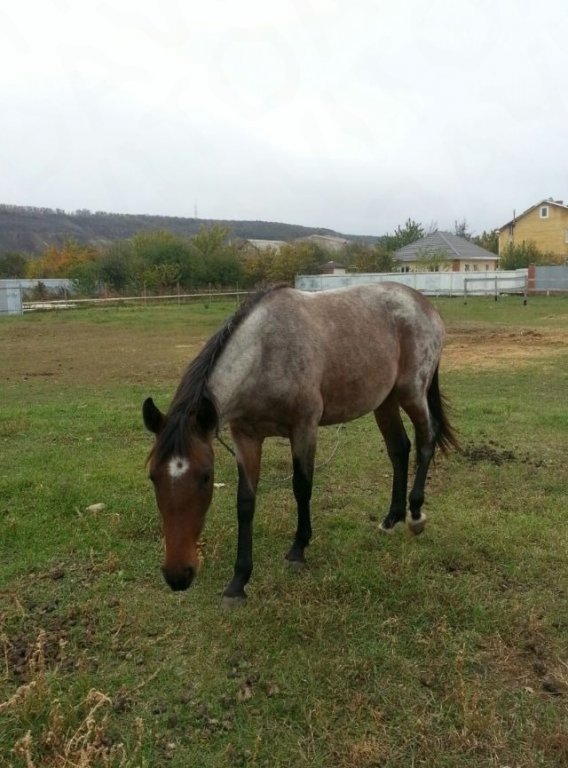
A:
[297,566]
[384,529]
[416,526]
[230,603]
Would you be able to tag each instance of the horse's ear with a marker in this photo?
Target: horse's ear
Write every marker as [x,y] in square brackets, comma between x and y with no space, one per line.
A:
[206,416]
[154,419]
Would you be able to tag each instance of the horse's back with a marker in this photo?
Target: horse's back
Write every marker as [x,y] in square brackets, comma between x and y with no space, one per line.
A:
[340,352]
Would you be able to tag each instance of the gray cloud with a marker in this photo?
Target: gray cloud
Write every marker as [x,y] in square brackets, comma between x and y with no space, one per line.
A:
[314,113]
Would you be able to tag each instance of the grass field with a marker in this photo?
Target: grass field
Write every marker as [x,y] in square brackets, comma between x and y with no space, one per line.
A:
[449,650]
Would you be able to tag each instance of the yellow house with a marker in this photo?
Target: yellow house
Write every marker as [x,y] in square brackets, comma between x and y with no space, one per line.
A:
[545,224]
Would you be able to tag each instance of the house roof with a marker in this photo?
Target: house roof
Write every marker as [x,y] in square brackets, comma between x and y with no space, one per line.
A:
[329,266]
[546,201]
[332,240]
[445,244]
[265,245]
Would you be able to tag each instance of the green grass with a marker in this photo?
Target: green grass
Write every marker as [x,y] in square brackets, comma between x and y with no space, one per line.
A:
[447,650]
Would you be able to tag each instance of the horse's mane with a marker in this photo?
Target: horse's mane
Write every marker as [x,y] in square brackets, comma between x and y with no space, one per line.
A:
[194,385]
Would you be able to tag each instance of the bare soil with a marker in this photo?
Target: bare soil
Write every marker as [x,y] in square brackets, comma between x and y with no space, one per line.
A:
[498,348]
[65,352]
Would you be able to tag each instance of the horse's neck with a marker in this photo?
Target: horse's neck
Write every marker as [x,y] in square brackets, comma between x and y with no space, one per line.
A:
[228,378]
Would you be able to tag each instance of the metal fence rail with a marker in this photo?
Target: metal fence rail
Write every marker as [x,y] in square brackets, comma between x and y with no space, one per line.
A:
[70,303]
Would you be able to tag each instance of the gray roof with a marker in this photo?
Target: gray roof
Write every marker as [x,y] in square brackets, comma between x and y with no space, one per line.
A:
[444,244]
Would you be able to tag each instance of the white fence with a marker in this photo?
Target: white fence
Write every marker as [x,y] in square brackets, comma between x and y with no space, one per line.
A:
[430,283]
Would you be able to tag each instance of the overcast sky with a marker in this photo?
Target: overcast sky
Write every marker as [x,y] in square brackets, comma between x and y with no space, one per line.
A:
[348,115]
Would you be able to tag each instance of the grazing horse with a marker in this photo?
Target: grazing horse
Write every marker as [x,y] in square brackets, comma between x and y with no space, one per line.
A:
[285,363]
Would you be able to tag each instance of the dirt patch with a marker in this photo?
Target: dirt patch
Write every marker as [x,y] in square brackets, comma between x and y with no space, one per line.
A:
[470,347]
[48,639]
[86,353]
[493,453]
[489,453]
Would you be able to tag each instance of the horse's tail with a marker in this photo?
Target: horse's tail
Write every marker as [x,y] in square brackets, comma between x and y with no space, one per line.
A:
[445,434]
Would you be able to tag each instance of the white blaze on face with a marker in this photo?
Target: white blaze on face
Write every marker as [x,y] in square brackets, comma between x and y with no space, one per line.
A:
[177,466]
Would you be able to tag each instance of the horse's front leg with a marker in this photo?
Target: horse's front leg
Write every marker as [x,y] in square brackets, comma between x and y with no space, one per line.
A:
[303,445]
[248,452]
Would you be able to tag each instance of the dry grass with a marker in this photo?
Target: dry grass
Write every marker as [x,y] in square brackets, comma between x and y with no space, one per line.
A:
[60,742]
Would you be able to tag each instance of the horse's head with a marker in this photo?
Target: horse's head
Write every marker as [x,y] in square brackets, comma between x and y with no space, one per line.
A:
[181,470]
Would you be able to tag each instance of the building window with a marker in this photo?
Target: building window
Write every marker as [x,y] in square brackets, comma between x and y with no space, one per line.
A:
[487,267]
[544,212]
[466,267]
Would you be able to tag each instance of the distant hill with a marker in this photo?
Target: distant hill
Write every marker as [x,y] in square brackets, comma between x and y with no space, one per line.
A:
[30,230]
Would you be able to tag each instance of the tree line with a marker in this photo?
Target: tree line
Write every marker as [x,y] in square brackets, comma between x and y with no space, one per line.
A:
[160,261]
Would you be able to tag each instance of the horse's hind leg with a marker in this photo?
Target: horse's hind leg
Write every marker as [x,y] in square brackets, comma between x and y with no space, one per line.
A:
[392,429]
[303,445]
[425,431]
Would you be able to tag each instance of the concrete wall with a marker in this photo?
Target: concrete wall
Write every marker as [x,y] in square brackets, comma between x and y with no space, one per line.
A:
[10,300]
[430,283]
[12,290]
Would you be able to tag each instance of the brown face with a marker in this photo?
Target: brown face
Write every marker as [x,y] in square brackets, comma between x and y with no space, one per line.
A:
[183,485]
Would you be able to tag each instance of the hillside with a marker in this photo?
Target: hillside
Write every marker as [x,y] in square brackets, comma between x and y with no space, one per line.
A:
[30,230]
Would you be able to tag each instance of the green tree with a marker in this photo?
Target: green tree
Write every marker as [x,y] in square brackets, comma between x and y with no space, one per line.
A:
[215,259]
[404,235]
[488,240]
[517,256]
[117,268]
[212,258]
[160,260]
[12,265]
[293,259]
[461,229]
[364,257]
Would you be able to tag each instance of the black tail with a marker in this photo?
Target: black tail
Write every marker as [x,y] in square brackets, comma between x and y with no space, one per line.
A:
[445,435]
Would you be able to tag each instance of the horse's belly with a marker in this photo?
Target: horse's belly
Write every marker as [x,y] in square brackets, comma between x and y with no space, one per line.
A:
[350,402]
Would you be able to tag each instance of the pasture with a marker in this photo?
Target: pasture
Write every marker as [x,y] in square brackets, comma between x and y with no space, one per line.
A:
[449,650]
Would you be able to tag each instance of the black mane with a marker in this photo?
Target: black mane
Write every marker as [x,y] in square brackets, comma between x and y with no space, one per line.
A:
[193,388]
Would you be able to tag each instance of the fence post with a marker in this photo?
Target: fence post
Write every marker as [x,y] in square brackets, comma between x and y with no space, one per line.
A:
[496,292]
[465,290]
[531,278]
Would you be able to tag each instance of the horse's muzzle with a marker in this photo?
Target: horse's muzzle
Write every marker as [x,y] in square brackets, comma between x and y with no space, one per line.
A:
[179,580]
